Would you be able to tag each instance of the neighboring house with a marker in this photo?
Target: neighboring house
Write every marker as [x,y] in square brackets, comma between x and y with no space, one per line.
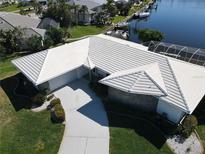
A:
[93,6]
[31,26]
[133,75]
[47,23]
[8,1]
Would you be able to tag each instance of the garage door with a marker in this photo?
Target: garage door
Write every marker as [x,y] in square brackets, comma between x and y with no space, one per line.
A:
[62,80]
[66,78]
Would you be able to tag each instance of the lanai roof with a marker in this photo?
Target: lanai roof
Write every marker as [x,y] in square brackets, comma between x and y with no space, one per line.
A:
[179,83]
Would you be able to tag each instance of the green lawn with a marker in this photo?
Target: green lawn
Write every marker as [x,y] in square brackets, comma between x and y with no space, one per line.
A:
[11,8]
[6,68]
[23,131]
[131,136]
[80,31]
[118,19]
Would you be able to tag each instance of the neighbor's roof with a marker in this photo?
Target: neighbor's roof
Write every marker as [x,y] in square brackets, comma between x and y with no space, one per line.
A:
[43,66]
[18,20]
[179,83]
[89,3]
[144,79]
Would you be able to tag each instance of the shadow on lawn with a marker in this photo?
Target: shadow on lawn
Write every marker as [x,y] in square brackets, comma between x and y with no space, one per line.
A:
[18,92]
[142,128]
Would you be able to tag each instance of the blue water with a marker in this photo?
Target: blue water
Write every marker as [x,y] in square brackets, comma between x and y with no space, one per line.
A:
[181,21]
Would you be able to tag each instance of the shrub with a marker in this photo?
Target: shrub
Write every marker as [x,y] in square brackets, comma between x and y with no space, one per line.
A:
[188,125]
[55,102]
[23,12]
[59,113]
[49,97]
[34,43]
[146,35]
[38,99]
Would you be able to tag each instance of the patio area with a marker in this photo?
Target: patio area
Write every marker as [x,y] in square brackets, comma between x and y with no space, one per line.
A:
[86,130]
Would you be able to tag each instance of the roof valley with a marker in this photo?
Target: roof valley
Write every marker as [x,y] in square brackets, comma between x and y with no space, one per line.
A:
[177,84]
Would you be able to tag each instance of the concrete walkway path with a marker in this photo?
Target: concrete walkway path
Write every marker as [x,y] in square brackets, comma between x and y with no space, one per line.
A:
[86,130]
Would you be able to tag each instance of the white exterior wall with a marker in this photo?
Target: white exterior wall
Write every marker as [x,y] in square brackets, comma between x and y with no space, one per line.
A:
[173,114]
[66,78]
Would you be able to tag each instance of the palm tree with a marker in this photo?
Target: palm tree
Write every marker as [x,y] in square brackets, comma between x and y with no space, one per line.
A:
[76,9]
[83,10]
[37,7]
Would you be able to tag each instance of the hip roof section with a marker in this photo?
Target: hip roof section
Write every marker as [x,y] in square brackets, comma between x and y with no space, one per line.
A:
[176,82]
[141,80]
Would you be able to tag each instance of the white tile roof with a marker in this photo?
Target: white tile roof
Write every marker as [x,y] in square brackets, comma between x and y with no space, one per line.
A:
[141,80]
[182,82]
[111,56]
[89,64]
[45,65]
[31,65]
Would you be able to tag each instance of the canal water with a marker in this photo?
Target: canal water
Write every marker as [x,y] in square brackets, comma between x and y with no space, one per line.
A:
[181,21]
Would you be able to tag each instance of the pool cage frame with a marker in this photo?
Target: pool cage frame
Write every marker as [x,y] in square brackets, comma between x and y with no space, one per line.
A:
[188,54]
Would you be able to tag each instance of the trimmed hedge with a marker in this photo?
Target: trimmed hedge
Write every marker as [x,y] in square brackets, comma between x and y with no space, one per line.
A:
[49,97]
[188,125]
[59,113]
[55,102]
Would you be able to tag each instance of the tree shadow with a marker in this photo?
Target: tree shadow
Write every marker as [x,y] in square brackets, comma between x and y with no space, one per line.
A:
[18,92]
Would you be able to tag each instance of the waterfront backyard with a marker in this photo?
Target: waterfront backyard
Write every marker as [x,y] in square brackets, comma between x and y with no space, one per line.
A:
[181,22]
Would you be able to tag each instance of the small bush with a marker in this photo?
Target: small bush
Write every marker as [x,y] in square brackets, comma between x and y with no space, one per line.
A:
[59,113]
[38,99]
[188,125]
[55,102]
[146,35]
[49,97]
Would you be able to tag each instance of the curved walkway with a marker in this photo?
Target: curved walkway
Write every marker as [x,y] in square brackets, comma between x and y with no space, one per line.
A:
[86,130]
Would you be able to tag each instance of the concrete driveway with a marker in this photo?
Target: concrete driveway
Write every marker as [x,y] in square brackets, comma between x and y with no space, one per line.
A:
[86,130]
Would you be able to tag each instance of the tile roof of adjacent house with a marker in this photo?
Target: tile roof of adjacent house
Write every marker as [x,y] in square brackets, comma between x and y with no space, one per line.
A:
[91,4]
[180,81]
[18,20]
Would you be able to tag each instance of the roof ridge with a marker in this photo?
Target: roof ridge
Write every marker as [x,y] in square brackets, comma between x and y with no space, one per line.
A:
[43,63]
[177,83]
[7,22]
[164,92]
